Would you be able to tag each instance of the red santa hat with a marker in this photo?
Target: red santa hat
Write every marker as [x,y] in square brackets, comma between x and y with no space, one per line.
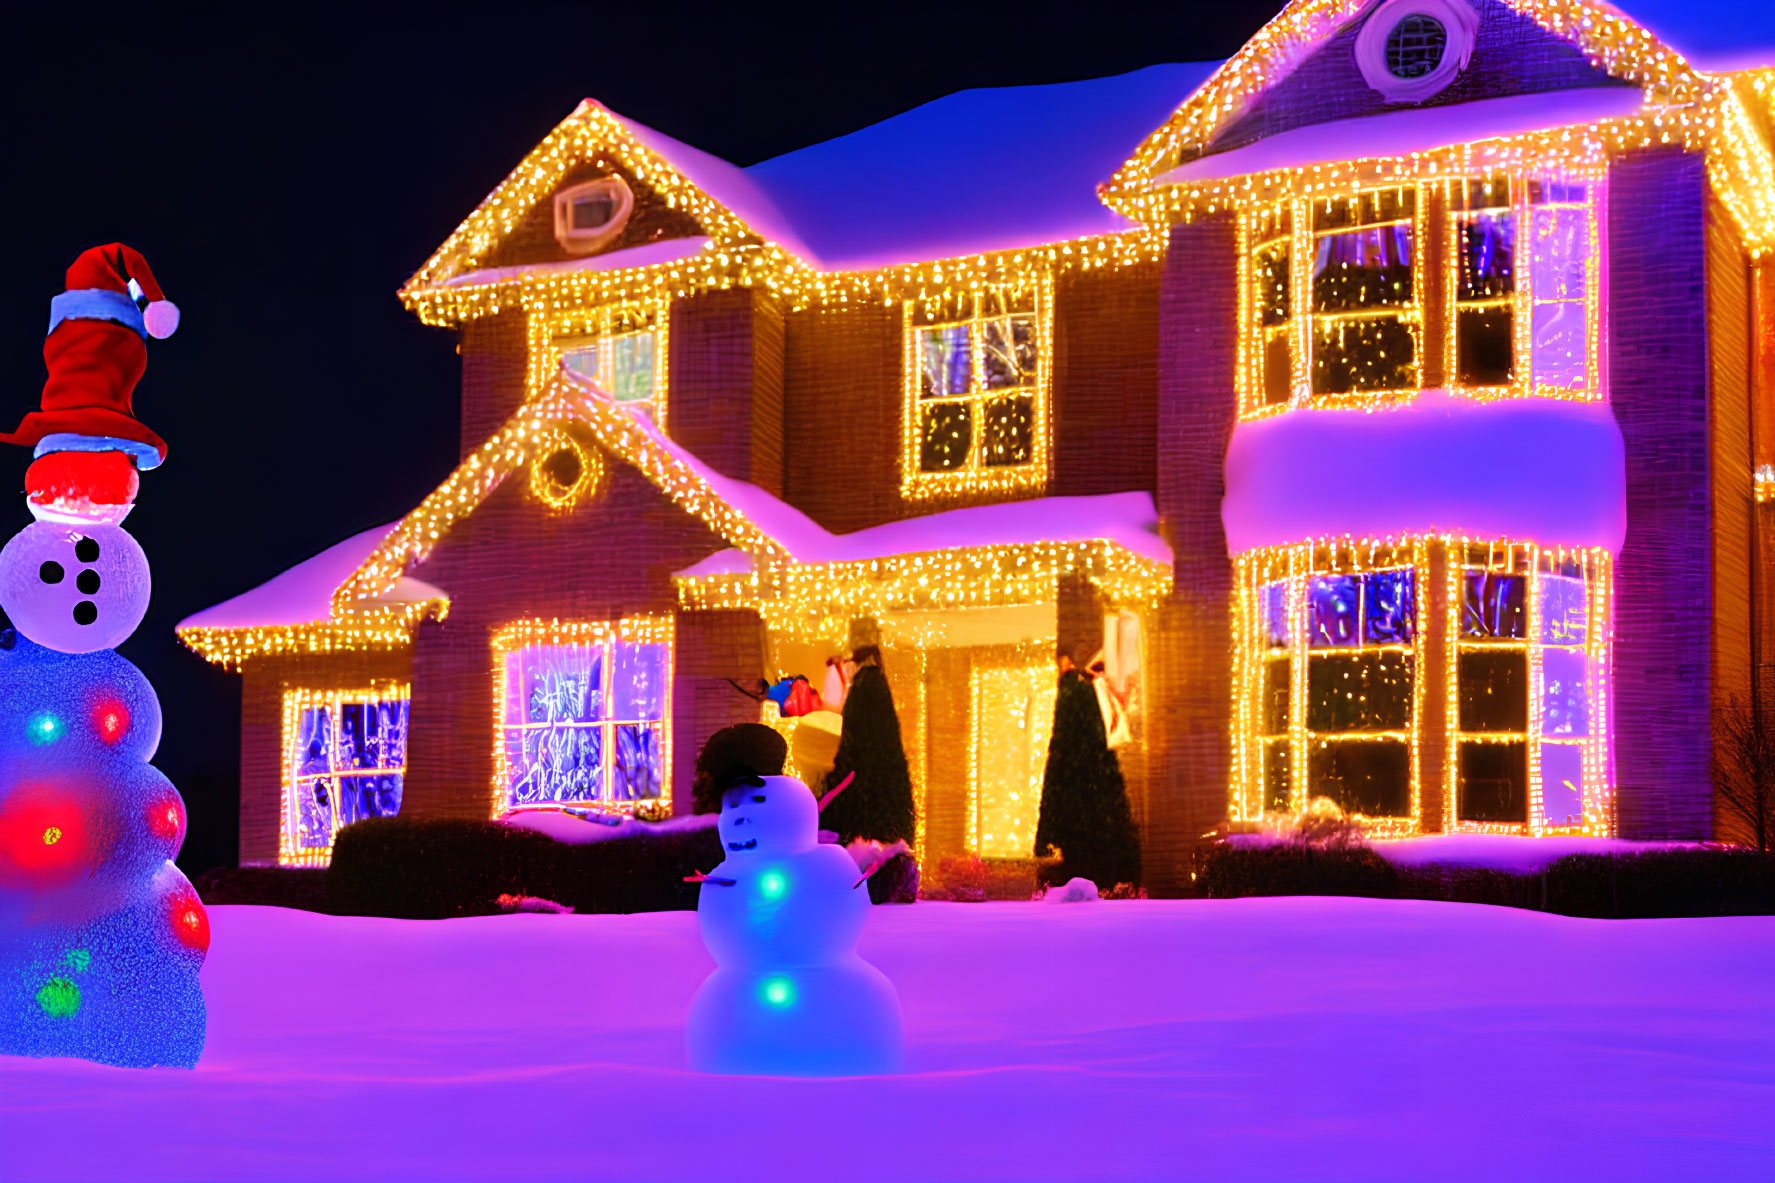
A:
[95,352]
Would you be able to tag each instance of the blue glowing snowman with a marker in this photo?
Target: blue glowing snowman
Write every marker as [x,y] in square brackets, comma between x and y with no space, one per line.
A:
[781,916]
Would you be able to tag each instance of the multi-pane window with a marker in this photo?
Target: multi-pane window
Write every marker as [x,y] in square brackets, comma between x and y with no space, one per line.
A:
[626,364]
[1522,305]
[1331,310]
[583,713]
[1347,653]
[344,756]
[1334,677]
[1365,322]
[1332,304]
[1528,687]
[977,377]
[619,347]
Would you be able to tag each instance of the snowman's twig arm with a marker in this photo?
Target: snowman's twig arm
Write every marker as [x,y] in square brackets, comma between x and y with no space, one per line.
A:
[875,866]
[705,877]
[836,789]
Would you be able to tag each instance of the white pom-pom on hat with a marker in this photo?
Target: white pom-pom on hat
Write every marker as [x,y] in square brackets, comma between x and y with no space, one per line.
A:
[162,318]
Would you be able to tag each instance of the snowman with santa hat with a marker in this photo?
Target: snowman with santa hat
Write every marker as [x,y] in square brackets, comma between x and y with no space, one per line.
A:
[101,936]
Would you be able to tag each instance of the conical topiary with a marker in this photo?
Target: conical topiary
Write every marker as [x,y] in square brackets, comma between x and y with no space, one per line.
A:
[878,804]
[1085,814]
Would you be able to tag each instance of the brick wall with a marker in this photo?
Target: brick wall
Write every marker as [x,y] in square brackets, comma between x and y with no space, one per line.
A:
[724,399]
[494,350]
[532,239]
[1664,590]
[841,415]
[711,647]
[1511,55]
[1106,380]
[263,682]
[1190,649]
[605,559]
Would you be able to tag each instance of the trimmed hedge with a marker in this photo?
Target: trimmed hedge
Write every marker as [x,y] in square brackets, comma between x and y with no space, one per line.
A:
[1666,883]
[429,870]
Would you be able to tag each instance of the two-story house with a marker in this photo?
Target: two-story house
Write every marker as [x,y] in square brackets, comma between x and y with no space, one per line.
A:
[1383,405]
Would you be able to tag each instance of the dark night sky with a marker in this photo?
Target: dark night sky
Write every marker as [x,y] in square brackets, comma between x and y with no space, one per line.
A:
[284,179]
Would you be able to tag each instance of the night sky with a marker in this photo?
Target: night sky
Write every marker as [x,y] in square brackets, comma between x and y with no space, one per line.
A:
[284,179]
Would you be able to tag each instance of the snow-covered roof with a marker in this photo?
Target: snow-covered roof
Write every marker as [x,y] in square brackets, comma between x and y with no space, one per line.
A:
[977,171]
[1715,35]
[646,255]
[1423,129]
[303,594]
[1126,519]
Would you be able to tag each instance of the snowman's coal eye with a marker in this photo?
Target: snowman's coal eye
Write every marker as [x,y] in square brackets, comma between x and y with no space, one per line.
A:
[87,550]
[760,800]
[50,572]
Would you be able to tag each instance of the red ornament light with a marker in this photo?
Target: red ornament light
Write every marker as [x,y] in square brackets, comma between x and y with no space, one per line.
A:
[191,924]
[111,719]
[43,838]
[166,817]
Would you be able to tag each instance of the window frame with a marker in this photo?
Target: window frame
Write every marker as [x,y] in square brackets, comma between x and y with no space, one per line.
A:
[513,638]
[553,336]
[297,700]
[576,241]
[920,316]
[1524,380]
[1301,323]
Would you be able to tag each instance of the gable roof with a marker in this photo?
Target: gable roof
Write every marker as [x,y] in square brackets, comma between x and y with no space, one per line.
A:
[1614,40]
[923,185]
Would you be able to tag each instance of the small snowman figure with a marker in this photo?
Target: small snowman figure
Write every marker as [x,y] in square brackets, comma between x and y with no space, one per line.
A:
[781,915]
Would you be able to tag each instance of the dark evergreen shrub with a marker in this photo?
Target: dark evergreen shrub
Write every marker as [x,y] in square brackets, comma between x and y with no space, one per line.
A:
[878,803]
[428,870]
[1290,869]
[1663,883]
[304,888]
[1084,813]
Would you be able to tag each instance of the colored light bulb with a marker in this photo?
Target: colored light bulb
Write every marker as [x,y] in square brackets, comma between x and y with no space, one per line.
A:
[778,990]
[164,818]
[773,884]
[45,728]
[111,719]
[191,924]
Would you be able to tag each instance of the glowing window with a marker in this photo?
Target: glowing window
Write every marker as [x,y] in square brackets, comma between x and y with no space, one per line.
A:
[1331,311]
[584,713]
[1528,681]
[625,365]
[589,216]
[1012,715]
[1522,303]
[345,754]
[976,380]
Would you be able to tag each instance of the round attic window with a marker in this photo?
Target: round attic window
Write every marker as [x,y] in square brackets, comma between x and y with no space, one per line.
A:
[1410,50]
[1415,46]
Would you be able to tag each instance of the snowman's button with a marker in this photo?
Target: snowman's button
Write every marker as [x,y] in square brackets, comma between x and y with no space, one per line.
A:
[85,612]
[87,550]
[88,582]
[50,572]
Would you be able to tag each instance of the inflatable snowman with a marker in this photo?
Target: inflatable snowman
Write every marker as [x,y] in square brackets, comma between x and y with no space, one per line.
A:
[781,916]
[101,936]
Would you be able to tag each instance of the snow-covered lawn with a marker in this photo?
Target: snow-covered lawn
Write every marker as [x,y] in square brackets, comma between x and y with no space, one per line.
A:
[1239,1039]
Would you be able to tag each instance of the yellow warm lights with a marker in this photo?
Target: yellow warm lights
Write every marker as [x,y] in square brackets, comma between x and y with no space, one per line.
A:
[331,780]
[1010,714]
[381,627]
[821,597]
[1274,681]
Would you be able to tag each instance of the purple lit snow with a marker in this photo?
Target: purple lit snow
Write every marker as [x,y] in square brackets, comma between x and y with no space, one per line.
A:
[1239,1039]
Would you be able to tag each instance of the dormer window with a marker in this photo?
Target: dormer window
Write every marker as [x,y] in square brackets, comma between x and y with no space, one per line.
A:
[589,216]
[1411,50]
